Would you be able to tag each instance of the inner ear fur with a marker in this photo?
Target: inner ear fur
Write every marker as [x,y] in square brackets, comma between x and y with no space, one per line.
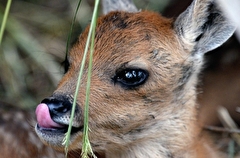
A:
[203,27]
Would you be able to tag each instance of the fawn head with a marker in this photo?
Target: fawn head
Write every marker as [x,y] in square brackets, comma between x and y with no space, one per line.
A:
[145,70]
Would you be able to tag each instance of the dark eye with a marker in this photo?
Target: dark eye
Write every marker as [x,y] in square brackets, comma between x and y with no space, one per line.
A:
[131,78]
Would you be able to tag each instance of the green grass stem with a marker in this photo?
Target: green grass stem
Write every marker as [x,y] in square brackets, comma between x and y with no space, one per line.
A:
[4,21]
[71,29]
[86,149]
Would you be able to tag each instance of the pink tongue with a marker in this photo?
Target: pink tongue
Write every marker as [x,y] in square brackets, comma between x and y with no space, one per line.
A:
[43,117]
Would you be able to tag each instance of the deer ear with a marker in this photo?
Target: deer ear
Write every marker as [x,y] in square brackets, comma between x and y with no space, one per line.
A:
[203,27]
[118,5]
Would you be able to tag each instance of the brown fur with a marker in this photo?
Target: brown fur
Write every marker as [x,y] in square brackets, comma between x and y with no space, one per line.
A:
[157,118]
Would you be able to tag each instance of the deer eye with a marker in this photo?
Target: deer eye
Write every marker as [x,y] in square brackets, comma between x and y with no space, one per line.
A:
[131,78]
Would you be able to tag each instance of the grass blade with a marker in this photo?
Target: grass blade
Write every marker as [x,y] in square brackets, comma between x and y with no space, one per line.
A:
[71,29]
[86,148]
[86,144]
[4,21]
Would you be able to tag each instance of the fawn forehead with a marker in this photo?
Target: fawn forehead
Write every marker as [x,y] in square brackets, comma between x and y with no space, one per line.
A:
[123,37]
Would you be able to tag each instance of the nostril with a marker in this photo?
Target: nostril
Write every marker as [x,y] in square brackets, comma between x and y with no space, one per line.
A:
[48,100]
[57,106]
[62,108]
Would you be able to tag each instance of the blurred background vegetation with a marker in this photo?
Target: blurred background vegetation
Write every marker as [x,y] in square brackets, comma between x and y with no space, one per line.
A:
[34,45]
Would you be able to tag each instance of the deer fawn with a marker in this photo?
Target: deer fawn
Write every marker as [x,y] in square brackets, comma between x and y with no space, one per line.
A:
[143,87]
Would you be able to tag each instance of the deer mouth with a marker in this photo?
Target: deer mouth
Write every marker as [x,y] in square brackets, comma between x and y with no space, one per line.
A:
[52,129]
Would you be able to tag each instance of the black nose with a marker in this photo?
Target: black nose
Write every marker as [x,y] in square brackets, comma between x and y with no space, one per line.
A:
[58,105]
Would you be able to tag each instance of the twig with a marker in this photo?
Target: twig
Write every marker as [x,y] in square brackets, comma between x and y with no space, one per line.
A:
[221,129]
[228,122]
